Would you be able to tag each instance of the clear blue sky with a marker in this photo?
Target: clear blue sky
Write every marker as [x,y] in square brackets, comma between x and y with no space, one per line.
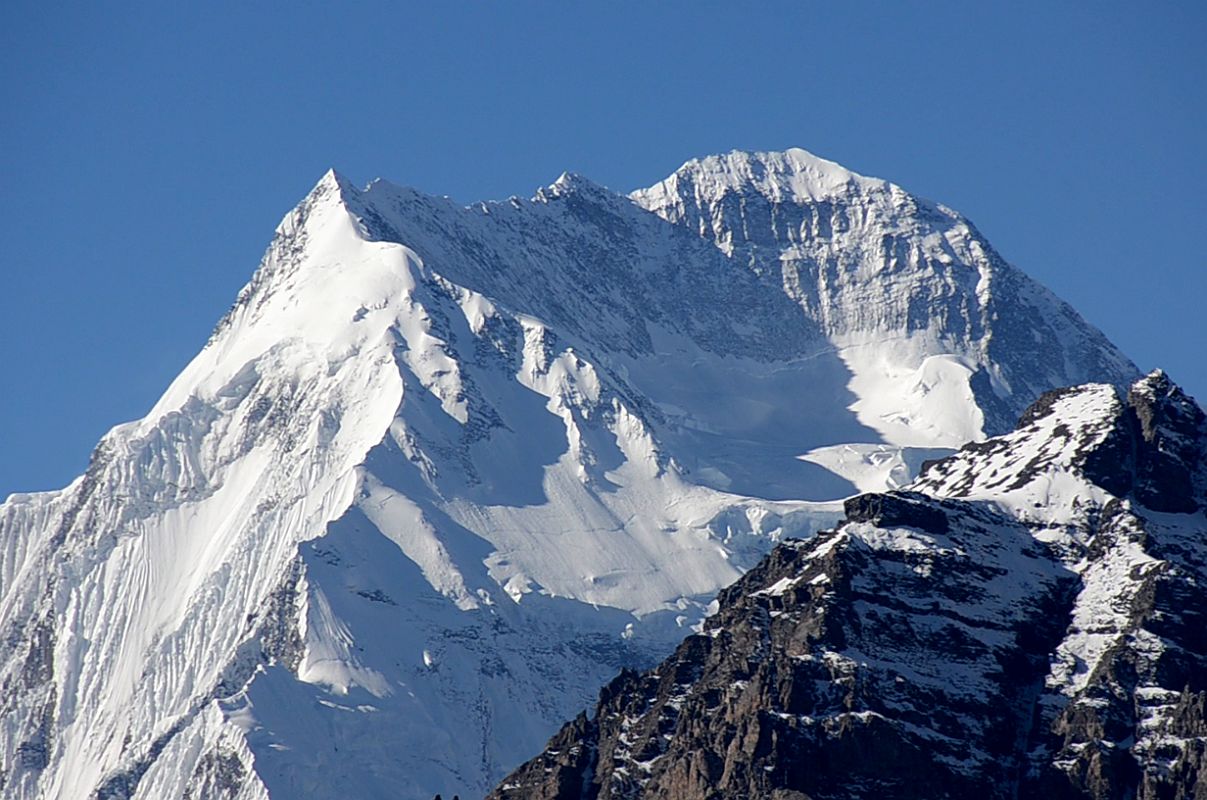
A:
[147,150]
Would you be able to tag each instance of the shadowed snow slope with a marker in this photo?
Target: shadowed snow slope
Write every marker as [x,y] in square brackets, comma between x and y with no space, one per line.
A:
[442,470]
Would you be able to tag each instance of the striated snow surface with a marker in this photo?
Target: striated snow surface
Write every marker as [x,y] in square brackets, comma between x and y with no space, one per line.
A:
[441,471]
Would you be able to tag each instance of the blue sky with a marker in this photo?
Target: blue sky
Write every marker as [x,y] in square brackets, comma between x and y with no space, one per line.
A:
[148,150]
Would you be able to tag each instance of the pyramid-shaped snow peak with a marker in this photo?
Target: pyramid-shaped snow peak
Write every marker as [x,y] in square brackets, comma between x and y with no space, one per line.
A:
[441,471]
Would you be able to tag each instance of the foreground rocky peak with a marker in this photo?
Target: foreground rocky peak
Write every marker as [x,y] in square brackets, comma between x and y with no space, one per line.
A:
[1027,621]
[1168,466]
[1145,445]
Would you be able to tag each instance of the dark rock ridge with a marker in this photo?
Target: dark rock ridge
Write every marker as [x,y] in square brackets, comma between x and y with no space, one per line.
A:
[1028,622]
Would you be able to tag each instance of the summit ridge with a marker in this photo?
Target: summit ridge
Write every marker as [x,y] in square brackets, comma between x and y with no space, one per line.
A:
[790,175]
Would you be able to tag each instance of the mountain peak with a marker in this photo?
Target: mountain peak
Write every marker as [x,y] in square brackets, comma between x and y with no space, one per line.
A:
[792,175]
[332,184]
[455,466]
[571,183]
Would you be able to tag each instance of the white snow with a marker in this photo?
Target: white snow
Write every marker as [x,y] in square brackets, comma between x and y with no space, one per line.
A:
[911,398]
[459,478]
[794,175]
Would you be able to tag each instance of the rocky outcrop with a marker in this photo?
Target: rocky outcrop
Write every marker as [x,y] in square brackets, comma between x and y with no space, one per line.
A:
[1171,432]
[900,508]
[1008,629]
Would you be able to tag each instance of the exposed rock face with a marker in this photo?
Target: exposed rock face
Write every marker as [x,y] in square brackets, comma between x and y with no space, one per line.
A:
[1027,622]
[1169,468]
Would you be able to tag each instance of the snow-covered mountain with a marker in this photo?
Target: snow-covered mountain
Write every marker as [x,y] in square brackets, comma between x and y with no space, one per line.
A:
[1026,621]
[441,471]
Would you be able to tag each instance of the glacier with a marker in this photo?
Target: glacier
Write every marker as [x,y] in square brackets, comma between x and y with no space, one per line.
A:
[442,471]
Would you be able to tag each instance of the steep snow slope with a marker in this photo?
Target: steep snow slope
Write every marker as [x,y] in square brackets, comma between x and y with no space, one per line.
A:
[441,471]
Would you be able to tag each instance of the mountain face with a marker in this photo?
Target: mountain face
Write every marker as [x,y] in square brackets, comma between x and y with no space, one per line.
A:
[442,471]
[913,297]
[1027,619]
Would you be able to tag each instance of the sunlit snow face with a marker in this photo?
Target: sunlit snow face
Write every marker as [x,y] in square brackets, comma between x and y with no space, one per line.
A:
[447,469]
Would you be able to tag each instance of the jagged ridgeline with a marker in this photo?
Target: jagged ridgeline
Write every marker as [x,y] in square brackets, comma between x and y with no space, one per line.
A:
[443,471]
[1028,620]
